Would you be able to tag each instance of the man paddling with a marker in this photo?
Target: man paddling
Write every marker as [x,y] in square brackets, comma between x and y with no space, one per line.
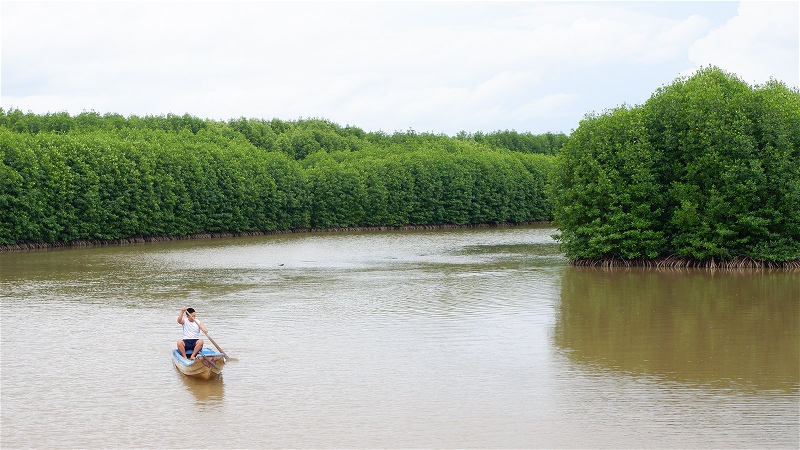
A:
[191,341]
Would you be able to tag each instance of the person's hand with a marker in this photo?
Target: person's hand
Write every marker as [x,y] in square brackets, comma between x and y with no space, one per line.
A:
[184,309]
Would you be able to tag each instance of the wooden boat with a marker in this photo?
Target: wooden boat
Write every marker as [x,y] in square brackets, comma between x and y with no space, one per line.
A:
[206,364]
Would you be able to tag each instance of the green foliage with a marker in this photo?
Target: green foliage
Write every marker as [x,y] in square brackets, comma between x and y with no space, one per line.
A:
[92,176]
[607,195]
[546,144]
[707,168]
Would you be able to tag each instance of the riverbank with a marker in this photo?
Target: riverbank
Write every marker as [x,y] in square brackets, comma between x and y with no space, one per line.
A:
[85,243]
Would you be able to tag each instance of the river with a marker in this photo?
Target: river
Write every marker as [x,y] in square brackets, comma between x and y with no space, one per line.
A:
[479,338]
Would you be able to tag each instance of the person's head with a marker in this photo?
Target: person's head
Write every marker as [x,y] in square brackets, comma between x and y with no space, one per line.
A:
[190,313]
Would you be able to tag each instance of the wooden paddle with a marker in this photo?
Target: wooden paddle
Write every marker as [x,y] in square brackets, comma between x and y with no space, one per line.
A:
[219,349]
[224,355]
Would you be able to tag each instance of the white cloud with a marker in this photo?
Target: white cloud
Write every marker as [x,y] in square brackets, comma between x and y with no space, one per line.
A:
[431,66]
[762,41]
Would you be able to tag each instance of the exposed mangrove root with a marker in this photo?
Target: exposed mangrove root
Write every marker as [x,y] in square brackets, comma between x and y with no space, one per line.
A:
[675,261]
[85,243]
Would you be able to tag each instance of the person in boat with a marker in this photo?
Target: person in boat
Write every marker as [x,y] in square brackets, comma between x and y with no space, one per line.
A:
[191,342]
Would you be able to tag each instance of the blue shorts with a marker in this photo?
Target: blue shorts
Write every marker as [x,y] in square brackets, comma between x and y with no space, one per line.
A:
[189,343]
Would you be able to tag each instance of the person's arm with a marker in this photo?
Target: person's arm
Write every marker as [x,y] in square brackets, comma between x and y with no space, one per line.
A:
[180,316]
[202,327]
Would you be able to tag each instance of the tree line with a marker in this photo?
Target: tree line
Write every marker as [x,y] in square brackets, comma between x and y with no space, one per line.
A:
[67,178]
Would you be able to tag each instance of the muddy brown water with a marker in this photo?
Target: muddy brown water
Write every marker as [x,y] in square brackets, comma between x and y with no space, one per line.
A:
[449,338]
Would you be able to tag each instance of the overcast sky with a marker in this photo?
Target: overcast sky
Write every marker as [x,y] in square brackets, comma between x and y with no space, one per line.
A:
[439,67]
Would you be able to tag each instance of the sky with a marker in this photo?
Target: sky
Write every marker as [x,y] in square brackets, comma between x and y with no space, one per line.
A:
[437,67]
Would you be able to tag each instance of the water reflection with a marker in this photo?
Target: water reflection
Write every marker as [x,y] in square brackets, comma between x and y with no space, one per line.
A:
[732,328]
[206,392]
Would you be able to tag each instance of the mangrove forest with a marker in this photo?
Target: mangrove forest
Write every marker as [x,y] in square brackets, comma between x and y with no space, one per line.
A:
[92,177]
[706,172]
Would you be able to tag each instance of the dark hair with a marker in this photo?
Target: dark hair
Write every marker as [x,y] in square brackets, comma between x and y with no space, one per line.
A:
[189,310]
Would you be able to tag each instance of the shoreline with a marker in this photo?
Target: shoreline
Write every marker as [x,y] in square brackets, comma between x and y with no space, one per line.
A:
[89,243]
[678,262]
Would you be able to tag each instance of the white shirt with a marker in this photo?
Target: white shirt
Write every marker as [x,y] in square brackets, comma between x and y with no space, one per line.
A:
[191,330]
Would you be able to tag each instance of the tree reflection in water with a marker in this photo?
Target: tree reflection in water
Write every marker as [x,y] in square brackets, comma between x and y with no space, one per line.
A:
[733,328]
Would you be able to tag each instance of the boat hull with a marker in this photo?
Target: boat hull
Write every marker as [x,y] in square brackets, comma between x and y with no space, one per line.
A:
[207,364]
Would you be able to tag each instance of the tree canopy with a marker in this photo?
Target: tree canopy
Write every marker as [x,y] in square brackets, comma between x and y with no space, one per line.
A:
[707,168]
[68,178]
